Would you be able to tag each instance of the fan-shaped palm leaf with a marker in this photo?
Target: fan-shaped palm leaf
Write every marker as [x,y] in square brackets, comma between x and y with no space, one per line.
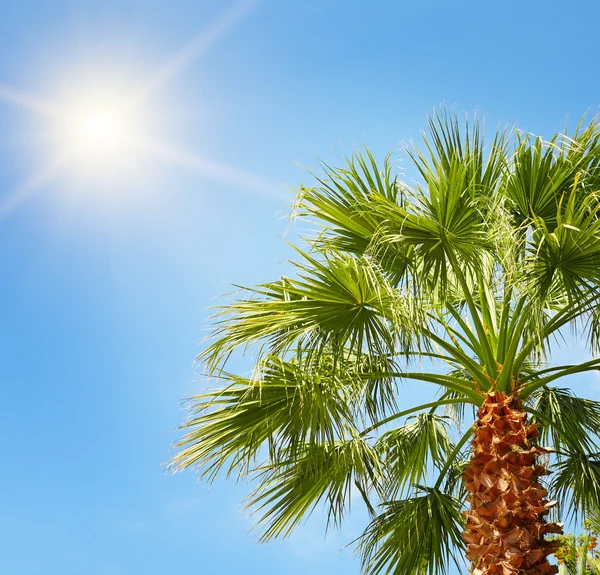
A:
[462,280]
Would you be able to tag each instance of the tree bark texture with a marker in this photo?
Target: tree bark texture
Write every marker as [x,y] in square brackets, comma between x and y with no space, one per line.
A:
[506,524]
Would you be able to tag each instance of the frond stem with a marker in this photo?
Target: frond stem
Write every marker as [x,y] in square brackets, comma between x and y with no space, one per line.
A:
[452,455]
[487,353]
[433,404]
[444,381]
[461,358]
[593,365]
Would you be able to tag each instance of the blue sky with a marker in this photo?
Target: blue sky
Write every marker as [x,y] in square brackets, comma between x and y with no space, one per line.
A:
[106,279]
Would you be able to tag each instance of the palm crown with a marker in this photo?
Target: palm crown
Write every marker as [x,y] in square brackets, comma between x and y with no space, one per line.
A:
[470,273]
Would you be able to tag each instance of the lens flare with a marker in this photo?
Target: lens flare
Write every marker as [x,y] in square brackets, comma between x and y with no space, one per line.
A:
[99,137]
[100,132]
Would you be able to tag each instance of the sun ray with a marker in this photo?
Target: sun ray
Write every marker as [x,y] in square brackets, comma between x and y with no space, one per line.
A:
[220,172]
[197,47]
[27,188]
[98,133]
[29,101]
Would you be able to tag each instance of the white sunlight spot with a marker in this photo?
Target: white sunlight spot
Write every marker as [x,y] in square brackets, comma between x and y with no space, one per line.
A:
[96,130]
[101,130]
[91,133]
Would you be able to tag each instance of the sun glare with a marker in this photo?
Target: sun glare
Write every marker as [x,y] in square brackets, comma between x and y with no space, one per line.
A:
[100,133]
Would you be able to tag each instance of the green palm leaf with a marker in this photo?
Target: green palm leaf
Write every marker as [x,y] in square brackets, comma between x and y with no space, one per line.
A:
[414,536]
[567,421]
[408,450]
[290,489]
[576,482]
[340,302]
[462,280]
[289,403]
[344,199]
[565,256]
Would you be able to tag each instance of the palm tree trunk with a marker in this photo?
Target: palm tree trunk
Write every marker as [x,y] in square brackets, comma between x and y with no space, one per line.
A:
[506,523]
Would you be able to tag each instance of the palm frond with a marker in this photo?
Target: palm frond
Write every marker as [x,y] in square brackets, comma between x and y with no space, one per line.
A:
[542,172]
[479,266]
[408,450]
[576,482]
[594,565]
[449,217]
[375,380]
[454,483]
[289,403]
[414,536]
[592,522]
[565,254]
[342,202]
[567,421]
[340,302]
[449,142]
[290,489]
[456,411]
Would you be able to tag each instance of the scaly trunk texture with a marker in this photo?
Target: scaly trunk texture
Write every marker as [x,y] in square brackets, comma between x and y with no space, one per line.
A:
[505,526]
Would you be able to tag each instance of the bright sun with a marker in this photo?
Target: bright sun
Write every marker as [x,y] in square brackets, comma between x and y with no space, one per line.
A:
[100,132]
[104,131]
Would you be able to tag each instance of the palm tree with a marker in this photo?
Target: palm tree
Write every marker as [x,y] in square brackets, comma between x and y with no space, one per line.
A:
[578,554]
[463,281]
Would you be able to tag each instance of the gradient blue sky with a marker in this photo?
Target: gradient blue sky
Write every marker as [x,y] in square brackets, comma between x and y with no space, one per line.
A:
[105,282]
